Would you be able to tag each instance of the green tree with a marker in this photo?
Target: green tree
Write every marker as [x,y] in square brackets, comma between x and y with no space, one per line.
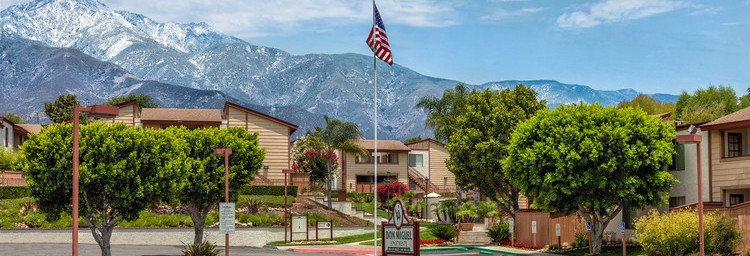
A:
[202,188]
[61,109]
[412,139]
[336,136]
[122,171]
[479,144]
[144,101]
[710,103]
[592,160]
[442,112]
[647,103]
[14,118]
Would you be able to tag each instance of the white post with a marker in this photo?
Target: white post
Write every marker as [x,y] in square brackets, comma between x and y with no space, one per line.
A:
[375,155]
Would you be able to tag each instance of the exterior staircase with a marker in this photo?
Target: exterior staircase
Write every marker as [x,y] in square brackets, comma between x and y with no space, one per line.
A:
[418,179]
[473,238]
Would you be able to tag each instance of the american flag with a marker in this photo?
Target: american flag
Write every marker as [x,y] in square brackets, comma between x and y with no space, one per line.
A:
[378,40]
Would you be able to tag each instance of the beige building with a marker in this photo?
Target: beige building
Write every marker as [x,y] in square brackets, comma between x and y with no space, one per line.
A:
[729,158]
[427,161]
[273,134]
[12,135]
[358,172]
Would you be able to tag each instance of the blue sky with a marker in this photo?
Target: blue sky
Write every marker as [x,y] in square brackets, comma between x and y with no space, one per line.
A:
[649,45]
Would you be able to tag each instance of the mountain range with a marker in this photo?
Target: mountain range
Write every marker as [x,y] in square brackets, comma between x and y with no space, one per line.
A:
[49,47]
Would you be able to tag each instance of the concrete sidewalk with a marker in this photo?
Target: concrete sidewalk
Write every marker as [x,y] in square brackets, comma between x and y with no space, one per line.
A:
[49,249]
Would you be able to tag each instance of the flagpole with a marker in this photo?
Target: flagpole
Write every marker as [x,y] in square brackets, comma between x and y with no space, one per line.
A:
[375,154]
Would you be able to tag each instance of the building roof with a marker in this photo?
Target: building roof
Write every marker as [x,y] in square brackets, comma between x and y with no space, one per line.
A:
[427,139]
[291,126]
[385,145]
[31,128]
[740,118]
[180,114]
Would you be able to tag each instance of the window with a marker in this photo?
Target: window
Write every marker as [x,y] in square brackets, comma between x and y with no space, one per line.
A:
[678,159]
[415,160]
[676,201]
[734,144]
[736,199]
[384,158]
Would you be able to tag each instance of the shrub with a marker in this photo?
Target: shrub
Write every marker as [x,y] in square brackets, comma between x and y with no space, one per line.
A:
[582,239]
[676,233]
[269,190]
[34,220]
[360,197]
[394,190]
[445,232]
[202,249]
[499,232]
[13,192]
[9,160]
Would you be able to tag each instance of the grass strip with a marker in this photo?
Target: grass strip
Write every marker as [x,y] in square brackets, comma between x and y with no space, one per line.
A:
[337,240]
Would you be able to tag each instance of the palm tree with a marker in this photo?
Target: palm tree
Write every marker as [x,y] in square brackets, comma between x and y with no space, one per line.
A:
[442,112]
[337,135]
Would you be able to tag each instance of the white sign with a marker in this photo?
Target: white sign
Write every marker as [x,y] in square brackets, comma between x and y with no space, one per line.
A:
[299,224]
[400,217]
[324,230]
[557,229]
[622,227]
[226,218]
[399,240]
[533,227]
[512,225]
[324,225]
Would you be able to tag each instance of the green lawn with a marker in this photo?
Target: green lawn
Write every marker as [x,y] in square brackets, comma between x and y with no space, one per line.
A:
[608,251]
[367,207]
[338,240]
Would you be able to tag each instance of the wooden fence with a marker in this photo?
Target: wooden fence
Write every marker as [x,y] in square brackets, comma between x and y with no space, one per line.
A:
[545,227]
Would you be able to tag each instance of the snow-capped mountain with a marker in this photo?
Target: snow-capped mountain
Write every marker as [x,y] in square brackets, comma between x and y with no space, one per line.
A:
[196,56]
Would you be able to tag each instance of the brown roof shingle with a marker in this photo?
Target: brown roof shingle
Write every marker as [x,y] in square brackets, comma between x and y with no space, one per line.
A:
[385,145]
[31,128]
[178,114]
[736,117]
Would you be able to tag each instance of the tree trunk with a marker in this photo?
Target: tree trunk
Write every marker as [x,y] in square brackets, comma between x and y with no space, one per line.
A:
[599,222]
[102,232]
[329,180]
[476,203]
[459,195]
[198,216]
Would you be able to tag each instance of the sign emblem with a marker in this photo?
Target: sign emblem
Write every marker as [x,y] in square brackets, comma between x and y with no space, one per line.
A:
[400,215]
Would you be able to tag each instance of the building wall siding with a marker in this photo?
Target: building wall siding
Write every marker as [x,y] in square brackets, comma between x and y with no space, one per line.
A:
[354,169]
[439,174]
[726,172]
[272,137]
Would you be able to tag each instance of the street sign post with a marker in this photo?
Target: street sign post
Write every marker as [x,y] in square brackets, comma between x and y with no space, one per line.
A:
[622,230]
[557,233]
[533,231]
[226,218]
[299,225]
[400,234]
[323,229]
[588,230]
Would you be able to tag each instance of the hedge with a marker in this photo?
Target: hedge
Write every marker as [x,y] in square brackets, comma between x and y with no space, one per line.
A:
[11,192]
[269,190]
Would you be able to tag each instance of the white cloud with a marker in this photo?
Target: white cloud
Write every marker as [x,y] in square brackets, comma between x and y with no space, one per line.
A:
[501,14]
[253,18]
[611,11]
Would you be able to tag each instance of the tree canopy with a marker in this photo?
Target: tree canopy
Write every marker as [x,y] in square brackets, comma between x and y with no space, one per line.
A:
[144,101]
[482,135]
[648,104]
[442,112]
[202,188]
[592,160]
[61,109]
[122,171]
[709,103]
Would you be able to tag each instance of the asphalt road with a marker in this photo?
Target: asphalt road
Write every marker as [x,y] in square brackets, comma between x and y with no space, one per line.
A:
[125,250]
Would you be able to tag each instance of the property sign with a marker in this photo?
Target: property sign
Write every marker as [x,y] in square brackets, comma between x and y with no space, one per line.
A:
[588,226]
[622,227]
[400,234]
[511,225]
[533,227]
[299,225]
[323,229]
[557,229]
[226,218]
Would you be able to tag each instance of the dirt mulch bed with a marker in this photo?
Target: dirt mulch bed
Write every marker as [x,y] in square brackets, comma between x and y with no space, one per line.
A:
[306,206]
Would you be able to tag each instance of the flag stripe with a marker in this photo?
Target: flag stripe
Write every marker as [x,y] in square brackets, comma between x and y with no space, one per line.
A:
[377,40]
